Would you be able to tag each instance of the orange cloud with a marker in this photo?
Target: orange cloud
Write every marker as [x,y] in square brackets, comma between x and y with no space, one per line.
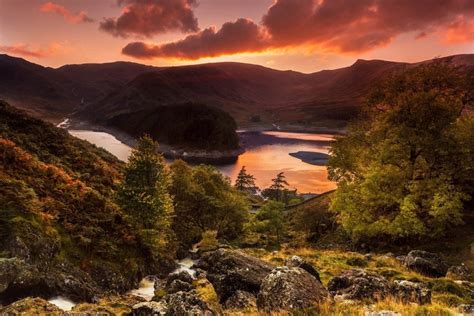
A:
[333,25]
[151,17]
[460,31]
[26,51]
[73,18]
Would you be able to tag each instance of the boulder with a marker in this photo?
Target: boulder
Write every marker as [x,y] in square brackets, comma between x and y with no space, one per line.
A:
[460,272]
[186,303]
[358,285]
[288,288]
[299,262]
[109,305]
[426,263]
[148,308]
[178,285]
[230,270]
[31,306]
[241,300]
[17,278]
[183,276]
[411,292]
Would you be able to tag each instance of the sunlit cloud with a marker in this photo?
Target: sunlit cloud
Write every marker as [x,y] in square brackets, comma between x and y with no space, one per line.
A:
[145,18]
[73,18]
[26,50]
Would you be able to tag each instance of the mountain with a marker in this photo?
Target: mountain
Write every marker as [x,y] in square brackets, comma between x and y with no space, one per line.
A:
[252,94]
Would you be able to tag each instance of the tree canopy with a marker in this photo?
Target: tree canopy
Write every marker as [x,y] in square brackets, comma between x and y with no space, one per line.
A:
[405,167]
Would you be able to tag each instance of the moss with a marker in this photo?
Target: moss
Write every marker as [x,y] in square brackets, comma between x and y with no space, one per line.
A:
[357,262]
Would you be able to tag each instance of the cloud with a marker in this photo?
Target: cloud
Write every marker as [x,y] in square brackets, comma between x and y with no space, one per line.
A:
[145,18]
[73,18]
[26,51]
[234,37]
[341,26]
[460,31]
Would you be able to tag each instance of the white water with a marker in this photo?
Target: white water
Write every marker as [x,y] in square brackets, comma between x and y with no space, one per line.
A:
[146,289]
[185,265]
[63,303]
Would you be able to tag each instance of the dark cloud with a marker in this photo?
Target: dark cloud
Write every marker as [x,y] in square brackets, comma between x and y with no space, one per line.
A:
[73,18]
[240,36]
[347,26]
[145,18]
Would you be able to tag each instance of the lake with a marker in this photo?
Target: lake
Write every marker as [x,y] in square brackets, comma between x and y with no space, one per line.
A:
[267,153]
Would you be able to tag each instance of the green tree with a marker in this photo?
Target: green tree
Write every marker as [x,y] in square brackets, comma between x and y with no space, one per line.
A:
[401,169]
[271,217]
[205,200]
[279,191]
[144,196]
[245,182]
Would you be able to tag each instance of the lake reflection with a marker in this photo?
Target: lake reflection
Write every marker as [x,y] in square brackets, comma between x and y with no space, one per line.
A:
[267,153]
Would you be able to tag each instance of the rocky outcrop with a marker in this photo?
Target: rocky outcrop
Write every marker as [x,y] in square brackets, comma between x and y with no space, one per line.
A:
[31,306]
[183,276]
[148,308]
[179,286]
[358,285]
[241,300]
[298,262]
[186,303]
[426,263]
[231,270]
[460,272]
[410,292]
[289,288]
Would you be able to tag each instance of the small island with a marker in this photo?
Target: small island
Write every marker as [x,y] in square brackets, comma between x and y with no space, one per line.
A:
[311,157]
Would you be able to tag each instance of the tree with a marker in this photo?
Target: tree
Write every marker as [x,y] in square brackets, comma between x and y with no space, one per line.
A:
[401,169]
[205,200]
[245,182]
[271,217]
[143,195]
[279,191]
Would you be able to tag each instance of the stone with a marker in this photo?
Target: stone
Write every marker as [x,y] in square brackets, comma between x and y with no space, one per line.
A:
[178,285]
[466,309]
[382,313]
[411,292]
[241,300]
[460,272]
[186,303]
[288,288]
[426,263]
[358,285]
[183,276]
[230,270]
[296,261]
[148,308]
[31,306]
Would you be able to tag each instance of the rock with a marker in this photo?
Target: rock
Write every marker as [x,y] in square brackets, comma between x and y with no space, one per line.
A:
[149,308]
[400,259]
[241,300]
[460,272]
[186,303]
[466,309]
[16,277]
[426,263]
[110,305]
[411,292]
[299,262]
[231,270]
[178,285]
[31,306]
[288,288]
[183,276]
[382,313]
[358,285]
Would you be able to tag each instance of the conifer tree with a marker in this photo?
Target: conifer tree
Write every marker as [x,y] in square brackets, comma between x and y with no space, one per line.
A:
[245,182]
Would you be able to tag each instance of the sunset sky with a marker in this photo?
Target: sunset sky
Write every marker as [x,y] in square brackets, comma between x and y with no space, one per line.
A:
[303,35]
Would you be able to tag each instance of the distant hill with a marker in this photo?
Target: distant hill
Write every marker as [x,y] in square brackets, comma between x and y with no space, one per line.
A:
[252,94]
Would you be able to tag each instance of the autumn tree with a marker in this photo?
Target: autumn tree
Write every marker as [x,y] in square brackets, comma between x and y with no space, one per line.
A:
[245,182]
[143,195]
[406,167]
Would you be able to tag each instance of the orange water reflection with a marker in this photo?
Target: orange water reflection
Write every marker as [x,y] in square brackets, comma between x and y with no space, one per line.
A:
[271,156]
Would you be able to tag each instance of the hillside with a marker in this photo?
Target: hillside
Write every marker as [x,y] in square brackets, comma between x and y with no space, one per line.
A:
[252,94]
[61,232]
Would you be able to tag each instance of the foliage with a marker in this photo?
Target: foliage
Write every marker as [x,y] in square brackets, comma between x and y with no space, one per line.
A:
[279,191]
[144,196]
[205,200]
[271,219]
[245,182]
[403,170]
[192,125]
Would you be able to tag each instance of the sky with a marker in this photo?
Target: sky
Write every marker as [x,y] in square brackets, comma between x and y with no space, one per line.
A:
[301,35]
